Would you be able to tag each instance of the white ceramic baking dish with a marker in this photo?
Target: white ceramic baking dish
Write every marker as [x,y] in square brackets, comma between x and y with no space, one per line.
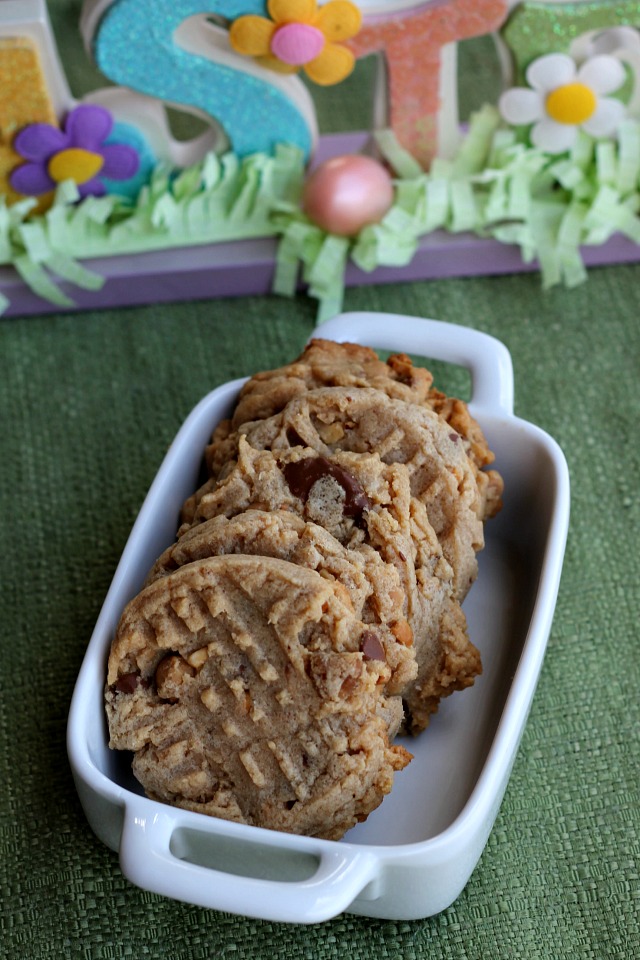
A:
[415,853]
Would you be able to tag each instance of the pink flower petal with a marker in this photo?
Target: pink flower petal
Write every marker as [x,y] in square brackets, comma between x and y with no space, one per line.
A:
[31,179]
[120,161]
[88,126]
[39,141]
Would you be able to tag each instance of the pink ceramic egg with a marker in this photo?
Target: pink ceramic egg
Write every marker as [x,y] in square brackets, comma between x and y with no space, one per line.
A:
[346,193]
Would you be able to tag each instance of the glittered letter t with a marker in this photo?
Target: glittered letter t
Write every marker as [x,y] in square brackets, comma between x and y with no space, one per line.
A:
[412,42]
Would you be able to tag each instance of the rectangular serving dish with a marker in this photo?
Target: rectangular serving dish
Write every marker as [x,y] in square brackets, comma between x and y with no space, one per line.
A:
[416,852]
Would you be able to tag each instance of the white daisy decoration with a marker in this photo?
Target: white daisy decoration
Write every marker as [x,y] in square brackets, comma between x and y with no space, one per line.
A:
[563,98]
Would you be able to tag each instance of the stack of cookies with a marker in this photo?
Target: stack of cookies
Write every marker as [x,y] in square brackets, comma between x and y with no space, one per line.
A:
[310,608]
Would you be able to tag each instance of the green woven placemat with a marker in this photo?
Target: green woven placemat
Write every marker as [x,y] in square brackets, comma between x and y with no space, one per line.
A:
[89,404]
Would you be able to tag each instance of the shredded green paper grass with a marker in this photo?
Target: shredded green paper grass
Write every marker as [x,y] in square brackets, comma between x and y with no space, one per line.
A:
[497,186]
[217,200]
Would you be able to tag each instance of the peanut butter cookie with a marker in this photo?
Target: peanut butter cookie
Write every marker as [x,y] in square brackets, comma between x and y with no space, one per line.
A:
[249,690]
[330,492]
[325,363]
[364,420]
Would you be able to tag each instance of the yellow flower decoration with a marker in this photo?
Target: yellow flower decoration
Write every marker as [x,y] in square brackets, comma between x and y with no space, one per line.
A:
[300,34]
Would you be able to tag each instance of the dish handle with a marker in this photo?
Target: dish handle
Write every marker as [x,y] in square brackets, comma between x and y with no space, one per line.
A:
[149,858]
[486,358]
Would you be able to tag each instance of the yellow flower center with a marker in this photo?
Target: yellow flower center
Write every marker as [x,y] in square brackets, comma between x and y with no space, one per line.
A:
[75,164]
[573,103]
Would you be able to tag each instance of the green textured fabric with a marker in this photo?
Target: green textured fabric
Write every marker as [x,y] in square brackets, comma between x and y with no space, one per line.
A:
[89,403]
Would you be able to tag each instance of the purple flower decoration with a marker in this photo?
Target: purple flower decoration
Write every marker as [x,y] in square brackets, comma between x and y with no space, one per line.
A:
[78,152]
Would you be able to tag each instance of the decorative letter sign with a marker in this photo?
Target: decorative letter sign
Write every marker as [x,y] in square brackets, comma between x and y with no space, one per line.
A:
[233,63]
[570,107]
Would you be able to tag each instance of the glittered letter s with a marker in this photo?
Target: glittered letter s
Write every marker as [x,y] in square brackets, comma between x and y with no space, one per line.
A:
[177,51]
